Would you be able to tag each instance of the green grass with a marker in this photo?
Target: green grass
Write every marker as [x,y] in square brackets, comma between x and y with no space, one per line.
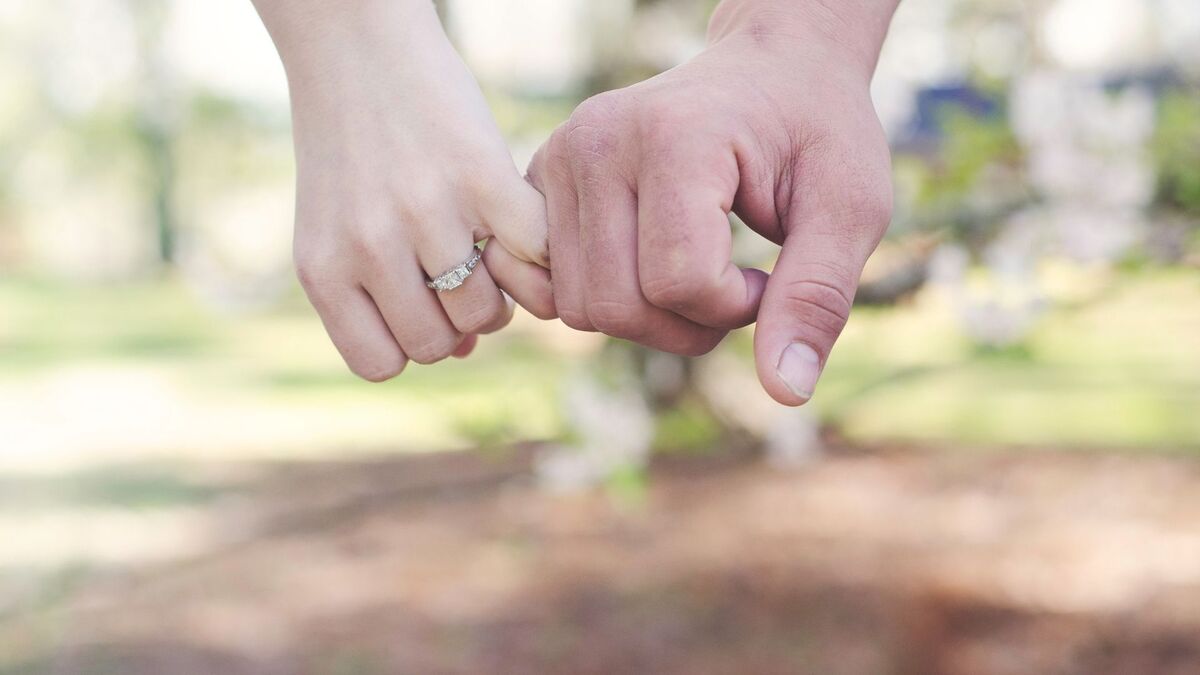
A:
[1121,369]
[273,376]
[1115,366]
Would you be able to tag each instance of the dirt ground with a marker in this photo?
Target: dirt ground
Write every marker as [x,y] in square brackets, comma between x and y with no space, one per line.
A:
[869,561]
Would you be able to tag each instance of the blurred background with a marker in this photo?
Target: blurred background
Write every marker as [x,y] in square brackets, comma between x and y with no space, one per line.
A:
[999,473]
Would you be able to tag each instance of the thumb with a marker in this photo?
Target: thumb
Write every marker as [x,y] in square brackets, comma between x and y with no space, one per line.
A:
[807,303]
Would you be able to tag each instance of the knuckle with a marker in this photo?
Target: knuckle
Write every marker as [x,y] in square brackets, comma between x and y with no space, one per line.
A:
[534,172]
[597,111]
[618,319]
[314,267]
[417,202]
[555,148]
[371,245]
[660,121]
[588,144]
[432,349]
[878,204]
[550,167]
[821,305]
[591,132]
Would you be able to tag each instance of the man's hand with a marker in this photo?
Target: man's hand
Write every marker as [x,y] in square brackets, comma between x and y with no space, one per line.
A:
[774,122]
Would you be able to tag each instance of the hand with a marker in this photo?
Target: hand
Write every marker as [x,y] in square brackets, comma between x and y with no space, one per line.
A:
[401,170]
[774,122]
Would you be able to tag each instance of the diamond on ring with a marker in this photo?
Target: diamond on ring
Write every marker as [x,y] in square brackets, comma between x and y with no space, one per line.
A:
[455,276]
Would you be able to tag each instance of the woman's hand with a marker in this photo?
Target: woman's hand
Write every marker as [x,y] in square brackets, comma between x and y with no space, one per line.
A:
[401,170]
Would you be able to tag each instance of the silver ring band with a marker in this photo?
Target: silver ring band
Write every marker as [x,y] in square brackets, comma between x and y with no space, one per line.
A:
[457,275]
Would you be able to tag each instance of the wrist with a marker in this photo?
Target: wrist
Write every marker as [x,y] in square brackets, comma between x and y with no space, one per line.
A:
[851,31]
[354,56]
[322,41]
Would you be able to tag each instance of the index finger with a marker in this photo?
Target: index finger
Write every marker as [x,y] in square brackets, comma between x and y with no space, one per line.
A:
[685,243]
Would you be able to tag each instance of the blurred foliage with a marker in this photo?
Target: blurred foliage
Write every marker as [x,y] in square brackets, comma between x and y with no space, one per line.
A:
[628,486]
[971,145]
[962,192]
[1176,149]
[525,117]
[688,427]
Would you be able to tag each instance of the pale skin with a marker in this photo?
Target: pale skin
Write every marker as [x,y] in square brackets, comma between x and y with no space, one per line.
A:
[401,168]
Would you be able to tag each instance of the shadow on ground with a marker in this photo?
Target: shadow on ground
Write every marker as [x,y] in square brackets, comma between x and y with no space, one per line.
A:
[888,561]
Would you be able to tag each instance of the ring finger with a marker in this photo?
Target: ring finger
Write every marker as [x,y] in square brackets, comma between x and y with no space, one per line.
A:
[476,305]
[412,311]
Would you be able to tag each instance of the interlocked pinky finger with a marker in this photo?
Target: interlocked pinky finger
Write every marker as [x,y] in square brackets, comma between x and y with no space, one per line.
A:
[527,283]
[474,304]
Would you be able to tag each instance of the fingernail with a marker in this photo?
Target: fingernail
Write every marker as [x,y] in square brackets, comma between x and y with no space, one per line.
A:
[799,368]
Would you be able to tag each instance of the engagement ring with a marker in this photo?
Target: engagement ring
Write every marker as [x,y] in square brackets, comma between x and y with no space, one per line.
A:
[455,276]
